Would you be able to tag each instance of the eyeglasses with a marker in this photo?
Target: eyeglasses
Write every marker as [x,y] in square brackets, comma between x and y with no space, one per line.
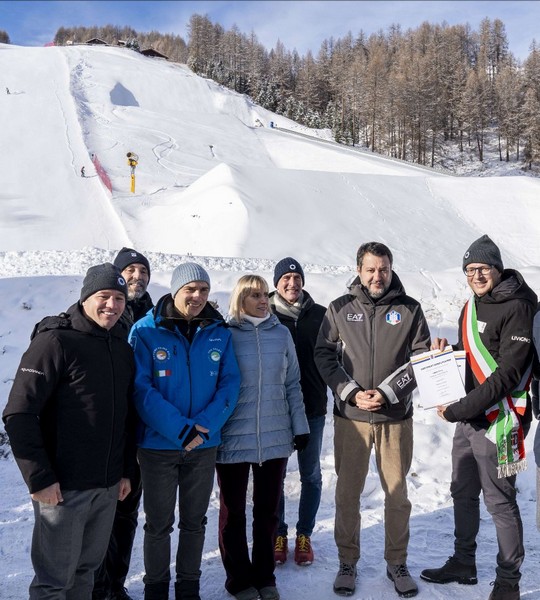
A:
[470,271]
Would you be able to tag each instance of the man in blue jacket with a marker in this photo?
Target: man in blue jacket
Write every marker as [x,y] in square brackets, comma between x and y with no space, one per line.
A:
[186,387]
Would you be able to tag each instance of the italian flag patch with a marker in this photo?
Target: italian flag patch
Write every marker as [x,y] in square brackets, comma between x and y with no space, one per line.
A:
[162,373]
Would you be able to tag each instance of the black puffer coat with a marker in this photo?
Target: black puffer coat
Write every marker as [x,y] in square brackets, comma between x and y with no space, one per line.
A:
[69,415]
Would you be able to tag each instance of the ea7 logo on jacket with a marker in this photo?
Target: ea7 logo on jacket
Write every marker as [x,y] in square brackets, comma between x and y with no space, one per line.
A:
[393,317]
[355,317]
[405,380]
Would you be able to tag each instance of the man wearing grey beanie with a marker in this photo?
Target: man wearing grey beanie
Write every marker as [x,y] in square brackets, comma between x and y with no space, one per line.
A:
[186,387]
[492,418]
[70,421]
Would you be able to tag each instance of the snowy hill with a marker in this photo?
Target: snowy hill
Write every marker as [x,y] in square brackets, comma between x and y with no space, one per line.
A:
[216,182]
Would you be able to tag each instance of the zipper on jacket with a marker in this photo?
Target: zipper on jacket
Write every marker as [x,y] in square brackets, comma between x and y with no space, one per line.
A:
[109,452]
[190,381]
[259,448]
[187,347]
[372,355]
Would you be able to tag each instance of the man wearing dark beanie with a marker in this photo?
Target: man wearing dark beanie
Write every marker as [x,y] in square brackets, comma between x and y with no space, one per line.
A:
[109,581]
[135,269]
[296,309]
[492,419]
[186,387]
[70,421]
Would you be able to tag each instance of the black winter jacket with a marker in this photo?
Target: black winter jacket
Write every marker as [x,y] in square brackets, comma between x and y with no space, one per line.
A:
[505,317]
[304,333]
[69,414]
[366,344]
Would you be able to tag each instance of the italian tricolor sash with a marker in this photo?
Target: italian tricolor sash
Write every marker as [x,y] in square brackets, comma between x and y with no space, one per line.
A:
[505,429]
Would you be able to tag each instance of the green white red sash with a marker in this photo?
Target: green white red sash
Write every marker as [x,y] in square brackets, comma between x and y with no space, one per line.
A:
[505,429]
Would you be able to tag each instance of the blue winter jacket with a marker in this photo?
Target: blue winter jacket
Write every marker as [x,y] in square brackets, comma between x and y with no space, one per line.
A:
[178,385]
[270,409]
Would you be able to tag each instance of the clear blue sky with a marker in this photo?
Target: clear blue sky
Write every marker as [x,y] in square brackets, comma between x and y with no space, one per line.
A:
[298,24]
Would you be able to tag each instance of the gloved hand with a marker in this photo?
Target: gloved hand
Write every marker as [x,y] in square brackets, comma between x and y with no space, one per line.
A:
[301,441]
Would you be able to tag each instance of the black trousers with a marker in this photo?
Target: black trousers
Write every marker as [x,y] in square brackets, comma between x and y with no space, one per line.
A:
[242,571]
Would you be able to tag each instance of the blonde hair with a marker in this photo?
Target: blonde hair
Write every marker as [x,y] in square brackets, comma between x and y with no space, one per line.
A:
[243,288]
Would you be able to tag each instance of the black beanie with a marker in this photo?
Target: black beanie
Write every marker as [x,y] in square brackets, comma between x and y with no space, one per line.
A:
[128,256]
[484,250]
[287,265]
[103,277]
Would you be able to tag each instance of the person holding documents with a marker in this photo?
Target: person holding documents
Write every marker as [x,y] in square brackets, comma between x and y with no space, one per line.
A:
[495,330]
[362,352]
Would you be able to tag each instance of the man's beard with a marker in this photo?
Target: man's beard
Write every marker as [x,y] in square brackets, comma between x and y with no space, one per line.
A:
[135,294]
[377,294]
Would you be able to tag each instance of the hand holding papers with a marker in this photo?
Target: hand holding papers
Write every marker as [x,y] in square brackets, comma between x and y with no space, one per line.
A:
[438,376]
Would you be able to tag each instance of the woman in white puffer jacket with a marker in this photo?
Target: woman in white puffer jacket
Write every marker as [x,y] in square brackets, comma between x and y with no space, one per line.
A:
[267,424]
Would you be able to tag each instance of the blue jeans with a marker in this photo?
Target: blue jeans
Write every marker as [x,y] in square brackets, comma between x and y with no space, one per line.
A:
[167,474]
[309,465]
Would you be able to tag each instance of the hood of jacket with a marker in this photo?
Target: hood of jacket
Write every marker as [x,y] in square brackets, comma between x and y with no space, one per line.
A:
[166,315]
[511,287]
[74,318]
[395,290]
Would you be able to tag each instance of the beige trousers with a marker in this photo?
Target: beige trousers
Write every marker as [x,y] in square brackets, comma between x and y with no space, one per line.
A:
[393,443]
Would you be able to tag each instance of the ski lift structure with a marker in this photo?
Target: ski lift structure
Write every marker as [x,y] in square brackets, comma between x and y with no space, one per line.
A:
[133,161]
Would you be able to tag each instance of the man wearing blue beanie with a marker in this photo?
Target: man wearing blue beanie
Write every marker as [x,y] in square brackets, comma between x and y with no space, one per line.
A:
[297,310]
[186,387]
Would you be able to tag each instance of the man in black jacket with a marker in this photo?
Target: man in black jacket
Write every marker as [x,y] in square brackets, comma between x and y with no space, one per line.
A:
[363,352]
[296,310]
[70,423]
[111,576]
[136,271]
[495,330]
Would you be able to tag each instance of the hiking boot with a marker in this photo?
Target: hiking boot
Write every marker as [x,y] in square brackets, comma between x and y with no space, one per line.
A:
[303,552]
[281,549]
[345,582]
[248,594]
[269,593]
[156,591]
[187,589]
[452,570]
[120,594]
[504,590]
[403,582]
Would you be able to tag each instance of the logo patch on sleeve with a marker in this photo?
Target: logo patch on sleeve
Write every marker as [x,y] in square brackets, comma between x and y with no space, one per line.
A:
[214,355]
[161,354]
[393,317]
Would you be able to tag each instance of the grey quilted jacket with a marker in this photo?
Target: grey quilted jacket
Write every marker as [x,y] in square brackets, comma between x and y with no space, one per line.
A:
[270,409]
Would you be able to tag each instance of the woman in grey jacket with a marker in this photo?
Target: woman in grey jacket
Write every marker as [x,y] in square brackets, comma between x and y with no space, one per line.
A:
[268,423]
